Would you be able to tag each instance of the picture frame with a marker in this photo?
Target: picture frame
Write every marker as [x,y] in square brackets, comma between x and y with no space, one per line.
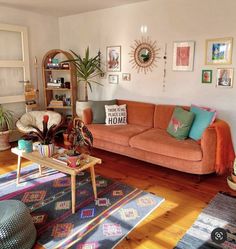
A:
[126,77]
[224,77]
[207,76]
[113,78]
[219,51]
[183,55]
[113,58]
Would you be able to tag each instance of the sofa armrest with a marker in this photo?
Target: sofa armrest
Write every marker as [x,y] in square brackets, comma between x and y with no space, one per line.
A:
[87,116]
[208,145]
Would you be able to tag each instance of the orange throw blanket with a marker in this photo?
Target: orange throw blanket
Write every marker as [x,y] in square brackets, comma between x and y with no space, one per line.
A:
[225,154]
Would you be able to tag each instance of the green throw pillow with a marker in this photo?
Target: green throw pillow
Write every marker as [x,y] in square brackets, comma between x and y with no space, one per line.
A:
[180,123]
[98,109]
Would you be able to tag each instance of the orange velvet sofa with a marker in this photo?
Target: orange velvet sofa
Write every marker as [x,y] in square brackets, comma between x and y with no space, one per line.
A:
[145,138]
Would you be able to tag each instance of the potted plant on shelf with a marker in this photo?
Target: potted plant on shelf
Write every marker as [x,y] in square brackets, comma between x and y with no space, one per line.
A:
[45,137]
[232,179]
[87,69]
[6,124]
[81,140]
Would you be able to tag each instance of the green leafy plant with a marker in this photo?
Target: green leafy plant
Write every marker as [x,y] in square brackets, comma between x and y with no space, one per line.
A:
[47,135]
[6,119]
[87,69]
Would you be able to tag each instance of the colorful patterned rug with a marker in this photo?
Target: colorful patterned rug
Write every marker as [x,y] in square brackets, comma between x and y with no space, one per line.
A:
[101,224]
[215,226]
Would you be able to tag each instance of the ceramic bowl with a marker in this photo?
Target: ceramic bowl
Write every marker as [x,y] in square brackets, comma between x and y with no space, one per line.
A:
[231,184]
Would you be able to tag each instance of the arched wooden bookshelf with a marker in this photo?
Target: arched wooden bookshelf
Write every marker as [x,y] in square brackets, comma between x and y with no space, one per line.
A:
[68,74]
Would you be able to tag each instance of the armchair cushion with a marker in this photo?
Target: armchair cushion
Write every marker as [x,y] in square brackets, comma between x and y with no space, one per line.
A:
[35,118]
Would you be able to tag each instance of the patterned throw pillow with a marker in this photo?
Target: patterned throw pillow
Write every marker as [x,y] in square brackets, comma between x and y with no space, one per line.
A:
[180,123]
[116,114]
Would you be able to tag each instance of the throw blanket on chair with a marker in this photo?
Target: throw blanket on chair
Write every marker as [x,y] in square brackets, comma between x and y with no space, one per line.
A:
[225,154]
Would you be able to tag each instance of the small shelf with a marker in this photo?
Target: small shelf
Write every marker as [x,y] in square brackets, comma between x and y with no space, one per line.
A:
[57,89]
[57,70]
[59,107]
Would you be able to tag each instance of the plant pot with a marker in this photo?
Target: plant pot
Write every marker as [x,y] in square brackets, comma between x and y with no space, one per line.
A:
[73,161]
[233,177]
[230,182]
[46,150]
[82,105]
[66,140]
[4,140]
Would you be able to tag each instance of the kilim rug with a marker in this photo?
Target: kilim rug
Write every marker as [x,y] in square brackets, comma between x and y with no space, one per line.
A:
[215,226]
[101,224]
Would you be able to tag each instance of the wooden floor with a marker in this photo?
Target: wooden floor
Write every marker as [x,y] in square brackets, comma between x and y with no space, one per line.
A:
[184,195]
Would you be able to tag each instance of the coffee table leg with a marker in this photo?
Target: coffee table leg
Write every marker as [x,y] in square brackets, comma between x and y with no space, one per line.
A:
[93,178]
[73,193]
[18,169]
[40,170]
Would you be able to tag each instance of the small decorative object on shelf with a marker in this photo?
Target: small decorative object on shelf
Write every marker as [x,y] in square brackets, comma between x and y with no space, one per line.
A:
[65,65]
[45,137]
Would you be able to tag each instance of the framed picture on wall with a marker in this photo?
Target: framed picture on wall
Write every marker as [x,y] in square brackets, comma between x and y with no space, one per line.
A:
[126,77]
[113,55]
[206,76]
[225,77]
[219,51]
[113,78]
[183,55]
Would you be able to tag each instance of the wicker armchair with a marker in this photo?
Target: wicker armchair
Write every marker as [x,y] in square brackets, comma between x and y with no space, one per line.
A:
[35,118]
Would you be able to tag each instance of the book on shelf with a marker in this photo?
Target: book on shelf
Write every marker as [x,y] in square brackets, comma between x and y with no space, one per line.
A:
[56,85]
[56,103]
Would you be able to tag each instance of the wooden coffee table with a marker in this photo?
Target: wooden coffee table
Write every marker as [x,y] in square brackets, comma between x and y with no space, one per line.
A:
[50,163]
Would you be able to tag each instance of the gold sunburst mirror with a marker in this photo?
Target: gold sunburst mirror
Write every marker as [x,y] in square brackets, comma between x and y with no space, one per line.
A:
[144,55]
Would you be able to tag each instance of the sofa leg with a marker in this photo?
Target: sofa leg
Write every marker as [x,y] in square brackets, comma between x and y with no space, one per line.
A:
[199,178]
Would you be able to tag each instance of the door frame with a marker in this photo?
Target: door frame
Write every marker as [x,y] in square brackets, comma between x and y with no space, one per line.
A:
[24,63]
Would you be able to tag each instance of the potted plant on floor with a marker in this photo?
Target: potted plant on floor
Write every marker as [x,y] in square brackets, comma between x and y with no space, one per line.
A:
[6,124]
[232,179]
[87,69]
[45,137]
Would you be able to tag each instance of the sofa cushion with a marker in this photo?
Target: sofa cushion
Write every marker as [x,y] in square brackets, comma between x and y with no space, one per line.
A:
[118,134]
[160,142]
[180,123]
[98,109]
[139,113]
[163,114]
[116,114]
[203,119]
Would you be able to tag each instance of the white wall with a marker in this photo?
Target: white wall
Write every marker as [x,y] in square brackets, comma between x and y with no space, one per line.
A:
[167,21]
[43,33]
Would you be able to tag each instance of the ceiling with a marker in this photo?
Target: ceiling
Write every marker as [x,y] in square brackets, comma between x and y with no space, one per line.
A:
[63,7]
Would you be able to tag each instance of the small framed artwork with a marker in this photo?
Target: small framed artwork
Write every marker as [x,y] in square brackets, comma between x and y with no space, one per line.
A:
[206,76]
[113,55]
[113,78]
[183,56]
[126,77]
[219,51]
[225,77]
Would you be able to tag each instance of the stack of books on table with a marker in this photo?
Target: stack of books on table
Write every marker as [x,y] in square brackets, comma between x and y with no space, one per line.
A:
[56,103]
